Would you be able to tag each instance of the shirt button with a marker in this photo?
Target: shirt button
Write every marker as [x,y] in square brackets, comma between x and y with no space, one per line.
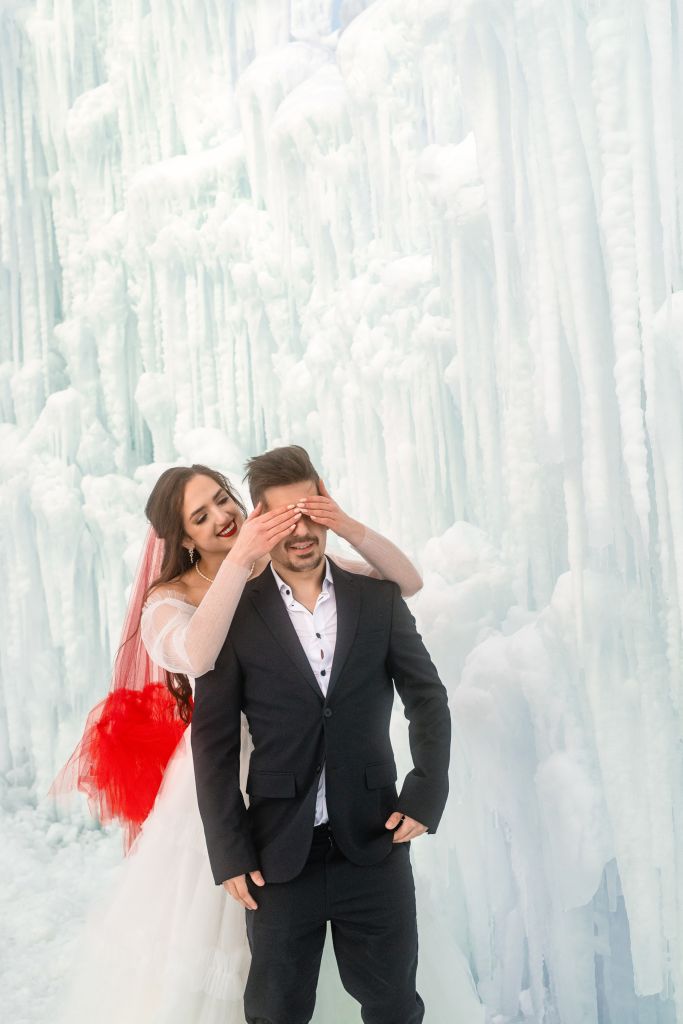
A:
[288,592]
[327,712]
[318,768]
[323,672]
[318,635]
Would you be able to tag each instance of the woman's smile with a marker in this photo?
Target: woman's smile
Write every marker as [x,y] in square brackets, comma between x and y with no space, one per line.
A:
[230,530]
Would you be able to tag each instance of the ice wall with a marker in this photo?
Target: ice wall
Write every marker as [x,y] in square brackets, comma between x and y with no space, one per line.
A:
[439,243]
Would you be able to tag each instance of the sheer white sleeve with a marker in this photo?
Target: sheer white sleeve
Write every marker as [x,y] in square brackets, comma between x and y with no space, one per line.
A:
[182,638]
[163,626]
[384,561]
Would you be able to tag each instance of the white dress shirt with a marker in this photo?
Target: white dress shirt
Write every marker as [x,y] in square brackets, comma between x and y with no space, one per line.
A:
[317,632]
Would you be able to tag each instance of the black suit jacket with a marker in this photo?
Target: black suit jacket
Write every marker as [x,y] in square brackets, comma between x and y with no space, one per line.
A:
[263,671]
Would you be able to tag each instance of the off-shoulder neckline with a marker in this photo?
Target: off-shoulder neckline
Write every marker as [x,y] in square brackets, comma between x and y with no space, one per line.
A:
[167,594]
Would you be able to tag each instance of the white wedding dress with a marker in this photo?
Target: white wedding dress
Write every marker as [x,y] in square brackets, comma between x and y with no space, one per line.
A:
[166,945]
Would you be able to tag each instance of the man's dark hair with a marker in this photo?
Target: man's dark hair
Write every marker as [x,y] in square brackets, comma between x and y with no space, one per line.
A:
[278,467]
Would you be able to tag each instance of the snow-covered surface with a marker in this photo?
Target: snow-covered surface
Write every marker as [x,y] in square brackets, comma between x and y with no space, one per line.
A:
[51,874]
[439,244]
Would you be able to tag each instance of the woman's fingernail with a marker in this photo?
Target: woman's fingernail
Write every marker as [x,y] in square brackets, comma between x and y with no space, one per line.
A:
[291,506]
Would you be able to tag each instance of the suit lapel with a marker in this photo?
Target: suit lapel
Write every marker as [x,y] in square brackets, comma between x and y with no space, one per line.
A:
[270,606]
[347,594]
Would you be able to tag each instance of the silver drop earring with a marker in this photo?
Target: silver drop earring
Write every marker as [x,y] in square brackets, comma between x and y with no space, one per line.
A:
[190,552]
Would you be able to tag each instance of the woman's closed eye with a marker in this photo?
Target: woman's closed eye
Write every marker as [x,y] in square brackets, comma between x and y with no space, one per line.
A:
[200,520]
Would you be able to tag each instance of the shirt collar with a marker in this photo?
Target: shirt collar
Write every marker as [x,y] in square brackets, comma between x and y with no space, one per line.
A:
[285,589]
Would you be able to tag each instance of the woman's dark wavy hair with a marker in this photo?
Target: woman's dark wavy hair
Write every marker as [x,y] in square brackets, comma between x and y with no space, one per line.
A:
[164,510]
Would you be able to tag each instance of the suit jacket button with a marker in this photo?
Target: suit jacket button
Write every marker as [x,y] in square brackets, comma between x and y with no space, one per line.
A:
[318,768]
[327,712]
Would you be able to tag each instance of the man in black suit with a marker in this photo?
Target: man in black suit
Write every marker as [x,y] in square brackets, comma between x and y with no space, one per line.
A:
[312,658]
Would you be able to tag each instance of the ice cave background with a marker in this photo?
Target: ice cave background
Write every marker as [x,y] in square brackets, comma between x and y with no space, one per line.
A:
[438,242]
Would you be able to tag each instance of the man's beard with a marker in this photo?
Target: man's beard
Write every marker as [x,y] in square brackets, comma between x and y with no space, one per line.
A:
[303,565]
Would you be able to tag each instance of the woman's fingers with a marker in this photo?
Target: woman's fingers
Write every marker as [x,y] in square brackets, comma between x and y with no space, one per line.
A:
[325,517]
[319,508]
[324,520]
[278,533]
[280,513]
[316,501]
[281,525]
[261,532]
[271,539]
[256,511]
[323,510]
[276,522]
[320,513]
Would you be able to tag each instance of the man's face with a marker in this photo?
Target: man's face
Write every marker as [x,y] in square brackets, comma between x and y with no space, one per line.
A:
[304,548]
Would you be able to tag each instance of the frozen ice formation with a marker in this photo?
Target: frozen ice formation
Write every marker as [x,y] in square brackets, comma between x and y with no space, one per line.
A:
[438,243]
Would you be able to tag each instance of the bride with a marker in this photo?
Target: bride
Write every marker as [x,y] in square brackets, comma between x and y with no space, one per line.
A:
[167,946]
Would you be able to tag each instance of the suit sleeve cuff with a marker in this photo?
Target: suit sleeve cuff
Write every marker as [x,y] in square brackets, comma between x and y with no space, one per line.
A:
[230,856]
[423,800]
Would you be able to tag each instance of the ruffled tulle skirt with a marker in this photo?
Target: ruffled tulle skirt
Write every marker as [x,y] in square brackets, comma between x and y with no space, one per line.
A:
[165,945]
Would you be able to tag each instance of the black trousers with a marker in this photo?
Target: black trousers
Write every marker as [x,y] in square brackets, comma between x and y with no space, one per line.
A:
[374,932]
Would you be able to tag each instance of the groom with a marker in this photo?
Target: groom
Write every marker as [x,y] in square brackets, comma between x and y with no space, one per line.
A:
[312,658]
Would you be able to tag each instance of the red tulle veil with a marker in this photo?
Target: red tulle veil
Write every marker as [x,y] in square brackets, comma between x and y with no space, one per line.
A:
[130,735]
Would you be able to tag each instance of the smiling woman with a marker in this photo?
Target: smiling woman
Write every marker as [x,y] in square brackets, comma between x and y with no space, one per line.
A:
[187,507]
